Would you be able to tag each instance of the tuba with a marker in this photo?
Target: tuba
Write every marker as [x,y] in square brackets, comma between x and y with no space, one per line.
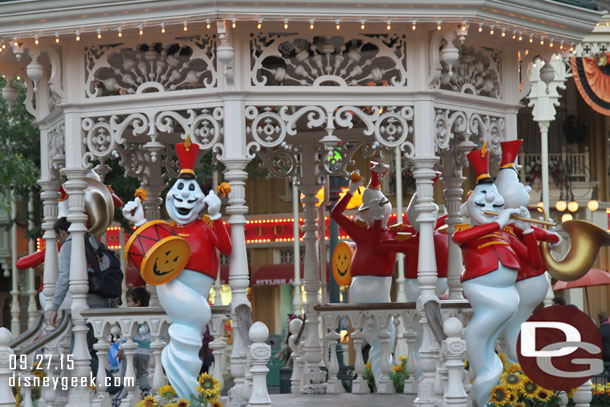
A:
[585,241]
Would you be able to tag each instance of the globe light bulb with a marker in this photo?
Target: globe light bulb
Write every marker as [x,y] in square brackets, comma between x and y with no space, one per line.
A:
[593,205]
[566,217]
[561,205]
[573,206]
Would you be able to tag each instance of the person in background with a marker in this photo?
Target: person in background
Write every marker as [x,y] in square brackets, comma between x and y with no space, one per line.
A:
[559,301]
[139,297]
[604,330]
[206,354]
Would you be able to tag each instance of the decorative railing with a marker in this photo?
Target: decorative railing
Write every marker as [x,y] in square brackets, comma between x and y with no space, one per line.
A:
[574,166]
[452,380]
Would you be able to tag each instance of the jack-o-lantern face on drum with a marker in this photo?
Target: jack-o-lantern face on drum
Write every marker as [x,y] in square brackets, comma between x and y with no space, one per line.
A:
[184,201]
[341,261]
[165,263]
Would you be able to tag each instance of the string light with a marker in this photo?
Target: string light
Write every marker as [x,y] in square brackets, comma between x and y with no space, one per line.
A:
[520,35]
[286,23]
[362,26]
[185,25]
[162,28]
[311,23]
[503,32]
[99,33]
[514,34]
[234,24]
[542,40]
[338,23]
[260,23]
[57,38]
[480,27]
[120,32]
[15,42]
[551,43]
[531,38]
[141,29]
[36,39]
[414,25]
[491,30]
[77,35]
[389,24]
[208,25]
[561,45]
[438,24]
[3,46]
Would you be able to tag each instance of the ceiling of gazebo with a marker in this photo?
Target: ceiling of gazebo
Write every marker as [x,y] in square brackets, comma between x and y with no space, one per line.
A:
[26,18]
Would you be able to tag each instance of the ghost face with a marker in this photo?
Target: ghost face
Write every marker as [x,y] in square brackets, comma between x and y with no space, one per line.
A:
[515,194]
[184,201]
[485,197]
[367,196]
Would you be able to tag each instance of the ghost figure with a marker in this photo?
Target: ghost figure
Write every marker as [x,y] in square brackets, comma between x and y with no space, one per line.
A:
[371,269]
[532,283]
[185,298]
[492,259]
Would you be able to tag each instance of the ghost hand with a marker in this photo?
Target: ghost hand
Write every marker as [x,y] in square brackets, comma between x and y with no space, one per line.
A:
[376,208]
[213,202]
[521,224]
[558,243]
[504,216]
[134,212]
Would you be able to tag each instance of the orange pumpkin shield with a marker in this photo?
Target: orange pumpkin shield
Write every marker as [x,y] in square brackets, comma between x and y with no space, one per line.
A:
[341,261]
[158,252]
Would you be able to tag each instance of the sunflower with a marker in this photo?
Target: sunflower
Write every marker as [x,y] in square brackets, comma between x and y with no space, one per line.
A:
[396,368]
[542,394]
[512,397]
[503,359]
[208,386]
[182,403]
[529,388]
[217,403]
[148,401]
[512,381]
[499,394]
[514,368]
[570,393]
[520,404]
[167,391]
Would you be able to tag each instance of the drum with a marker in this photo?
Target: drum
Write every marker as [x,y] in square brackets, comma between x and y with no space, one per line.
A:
[157,251]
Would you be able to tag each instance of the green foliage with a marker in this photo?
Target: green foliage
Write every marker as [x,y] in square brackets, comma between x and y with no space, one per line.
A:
[19,152]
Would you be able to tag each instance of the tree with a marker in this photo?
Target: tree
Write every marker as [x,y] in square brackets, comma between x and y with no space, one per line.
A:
[19,153]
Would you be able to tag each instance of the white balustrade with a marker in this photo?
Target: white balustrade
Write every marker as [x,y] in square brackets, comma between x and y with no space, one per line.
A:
[298,362]
[259,354]
[583,395]
[453,349]
[6,395]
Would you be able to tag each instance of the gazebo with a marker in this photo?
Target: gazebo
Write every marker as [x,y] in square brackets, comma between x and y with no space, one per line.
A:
[285,81]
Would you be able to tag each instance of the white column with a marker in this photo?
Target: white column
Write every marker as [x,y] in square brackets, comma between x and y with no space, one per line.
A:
[152,208]
[31,249]
[124,266]
[313,347]
[297,300]
[49,197]
[79,285]
[400,257]
[15,311]
[6,394]
[544,155]
[424,173]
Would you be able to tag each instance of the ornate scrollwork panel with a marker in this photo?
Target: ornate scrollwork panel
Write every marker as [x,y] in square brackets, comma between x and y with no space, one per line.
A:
[296,60]
[449,123]
[158,66]
[56,140]
[478,71]
[139,138]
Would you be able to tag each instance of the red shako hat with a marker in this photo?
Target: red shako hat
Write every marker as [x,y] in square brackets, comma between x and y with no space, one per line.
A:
[378,170]
[187,155]
[479,160]
[510,150]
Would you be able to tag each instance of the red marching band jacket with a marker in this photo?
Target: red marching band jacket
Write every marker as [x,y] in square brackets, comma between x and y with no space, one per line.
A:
[527,270]
[204,236]
[367,259]
[484,245]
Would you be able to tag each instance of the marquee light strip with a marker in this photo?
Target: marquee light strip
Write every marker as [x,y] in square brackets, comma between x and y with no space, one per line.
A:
[139,26]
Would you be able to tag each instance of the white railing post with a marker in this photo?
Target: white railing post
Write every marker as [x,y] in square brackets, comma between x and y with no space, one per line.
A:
[296,379]
[583,395]
[101,347]
[333,385]
[218,345]
[385,384]
[453,349]
[6,394]
[129,347]
[359,385]
[156,347]
[260,353]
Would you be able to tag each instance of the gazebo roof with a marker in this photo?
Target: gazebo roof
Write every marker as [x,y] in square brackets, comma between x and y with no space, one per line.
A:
[567,19]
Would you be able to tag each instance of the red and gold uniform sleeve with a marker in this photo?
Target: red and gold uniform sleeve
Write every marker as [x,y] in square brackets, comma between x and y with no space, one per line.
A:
[221,238]
[465,236]
[337,213]
[527,250]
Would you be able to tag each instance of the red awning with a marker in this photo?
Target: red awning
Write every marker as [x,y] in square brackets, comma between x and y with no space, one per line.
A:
[275,274]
